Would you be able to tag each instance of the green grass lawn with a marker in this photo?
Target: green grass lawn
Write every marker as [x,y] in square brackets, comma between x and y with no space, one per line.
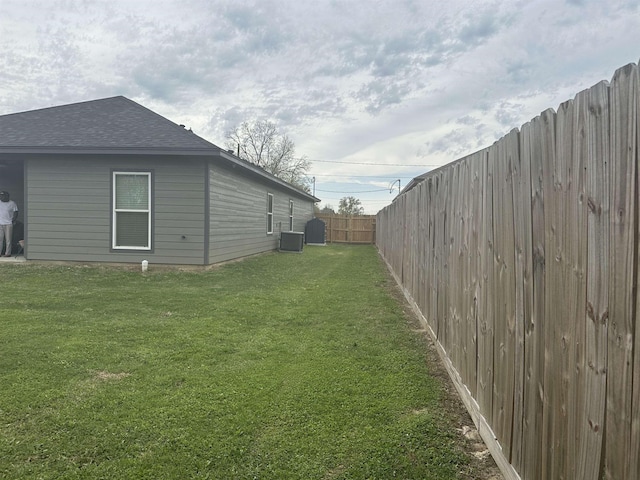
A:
[298,366]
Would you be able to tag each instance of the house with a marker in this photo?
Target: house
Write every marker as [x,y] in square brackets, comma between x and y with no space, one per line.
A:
[111,181]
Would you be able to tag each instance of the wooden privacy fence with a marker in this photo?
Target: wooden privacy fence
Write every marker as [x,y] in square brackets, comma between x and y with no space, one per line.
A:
[349,228]
[522,260]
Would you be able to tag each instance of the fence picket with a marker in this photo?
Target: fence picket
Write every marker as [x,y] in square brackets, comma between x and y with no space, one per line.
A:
[504,291]
[485,326]
[634,453]
[623,271]
[523,236]
[534,329]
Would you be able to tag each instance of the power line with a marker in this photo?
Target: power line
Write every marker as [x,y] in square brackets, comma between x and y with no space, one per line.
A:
[357,176]
[369,200]
[359,191]
[427,165]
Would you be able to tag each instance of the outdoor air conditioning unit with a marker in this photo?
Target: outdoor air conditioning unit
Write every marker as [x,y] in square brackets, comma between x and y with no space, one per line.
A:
[291,241]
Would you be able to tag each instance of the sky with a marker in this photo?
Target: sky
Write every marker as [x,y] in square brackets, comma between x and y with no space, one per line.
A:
[372,92]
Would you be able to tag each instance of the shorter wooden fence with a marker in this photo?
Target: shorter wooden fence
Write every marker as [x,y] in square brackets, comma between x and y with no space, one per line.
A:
[359,229]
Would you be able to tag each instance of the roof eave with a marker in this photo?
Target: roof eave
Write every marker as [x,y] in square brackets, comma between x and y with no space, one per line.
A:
[108,151]
[195,152]
[234,160]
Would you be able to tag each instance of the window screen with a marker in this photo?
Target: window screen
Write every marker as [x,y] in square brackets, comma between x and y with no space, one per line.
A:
[291,215]
[269,213]
[132,212]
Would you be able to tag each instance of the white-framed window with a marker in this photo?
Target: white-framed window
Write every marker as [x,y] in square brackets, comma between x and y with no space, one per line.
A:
[269,213]
[131,211]
[291,215]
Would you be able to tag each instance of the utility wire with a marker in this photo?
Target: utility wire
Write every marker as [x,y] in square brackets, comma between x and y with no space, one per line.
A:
[356,176]
[359,191]
[427,165]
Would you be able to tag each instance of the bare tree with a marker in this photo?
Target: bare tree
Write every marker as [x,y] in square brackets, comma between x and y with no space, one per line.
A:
[328,208]
[350,206]
[262,144]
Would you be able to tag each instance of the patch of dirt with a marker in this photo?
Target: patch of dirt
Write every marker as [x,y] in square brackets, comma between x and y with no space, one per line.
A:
[481,465]
[102,375]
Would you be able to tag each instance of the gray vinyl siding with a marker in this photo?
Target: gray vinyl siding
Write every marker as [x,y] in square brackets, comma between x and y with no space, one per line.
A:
[238,214]
[69,209]
[68,203]
[302,213]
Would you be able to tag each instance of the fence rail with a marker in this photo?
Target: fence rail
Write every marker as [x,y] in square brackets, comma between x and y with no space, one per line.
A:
[522,259]
[349,228]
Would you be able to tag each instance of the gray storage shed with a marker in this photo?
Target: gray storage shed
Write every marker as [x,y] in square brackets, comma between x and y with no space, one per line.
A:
[111,181]
[315,232]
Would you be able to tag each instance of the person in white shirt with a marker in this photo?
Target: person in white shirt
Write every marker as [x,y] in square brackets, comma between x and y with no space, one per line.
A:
[8,216]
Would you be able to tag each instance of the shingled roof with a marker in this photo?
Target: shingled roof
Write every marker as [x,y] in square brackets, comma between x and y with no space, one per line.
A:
[113,126]
[108,124]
